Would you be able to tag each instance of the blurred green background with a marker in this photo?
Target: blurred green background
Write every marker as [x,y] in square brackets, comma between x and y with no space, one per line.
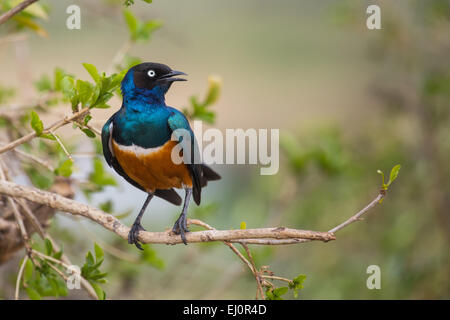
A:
[347,101]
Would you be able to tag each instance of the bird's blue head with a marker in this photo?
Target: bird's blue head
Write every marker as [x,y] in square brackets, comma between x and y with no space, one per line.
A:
[148,82]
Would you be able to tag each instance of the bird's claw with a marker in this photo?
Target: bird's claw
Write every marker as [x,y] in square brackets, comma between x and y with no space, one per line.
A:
[134,234]
[180,227]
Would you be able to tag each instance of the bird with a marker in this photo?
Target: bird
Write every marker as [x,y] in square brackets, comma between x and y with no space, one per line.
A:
[137,144]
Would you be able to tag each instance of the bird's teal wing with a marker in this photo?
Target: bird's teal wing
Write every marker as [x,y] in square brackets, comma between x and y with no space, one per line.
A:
[168,195]
[177,120]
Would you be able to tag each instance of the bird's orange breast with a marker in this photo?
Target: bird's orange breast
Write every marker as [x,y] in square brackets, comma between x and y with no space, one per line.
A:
[152,168]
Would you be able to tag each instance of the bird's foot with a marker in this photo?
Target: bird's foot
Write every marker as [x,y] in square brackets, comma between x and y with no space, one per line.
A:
[134,234]
[180,227]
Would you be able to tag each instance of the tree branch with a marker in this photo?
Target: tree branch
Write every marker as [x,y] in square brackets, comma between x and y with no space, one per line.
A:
[58,124]
[357,216]
[111,223]
[9,14]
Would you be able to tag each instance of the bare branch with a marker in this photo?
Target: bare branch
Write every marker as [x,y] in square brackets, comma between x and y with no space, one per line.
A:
[276,278]
[255,272]
[250,264]
[34,158]
[62,145]
[9,14]
[16,212]
[357,216]
[19,277]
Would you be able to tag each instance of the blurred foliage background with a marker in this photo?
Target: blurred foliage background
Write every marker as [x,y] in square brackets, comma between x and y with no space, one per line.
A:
[347,101]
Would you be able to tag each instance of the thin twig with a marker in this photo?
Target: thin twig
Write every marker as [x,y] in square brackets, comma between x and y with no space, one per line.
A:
[358,215]
[58,124]
[250,264]
[255,271]
[9,14]
[62,145]
[16,213]
[98,132]
[34,158]
[19,277]
[32,218]
[276,278]
[120,54]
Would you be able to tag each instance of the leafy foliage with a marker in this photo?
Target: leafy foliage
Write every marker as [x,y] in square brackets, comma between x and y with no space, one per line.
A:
[131,2]
[41,280]
[140,30]
[28,18]
[200,109]
[294,285]
[392,176]
[150,257]
[65,168]
[91,272]
[324,150]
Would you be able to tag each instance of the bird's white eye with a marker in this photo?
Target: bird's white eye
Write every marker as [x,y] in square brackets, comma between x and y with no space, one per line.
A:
[151,73]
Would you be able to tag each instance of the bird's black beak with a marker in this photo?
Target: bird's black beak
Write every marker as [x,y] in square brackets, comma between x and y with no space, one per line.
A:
[170,76]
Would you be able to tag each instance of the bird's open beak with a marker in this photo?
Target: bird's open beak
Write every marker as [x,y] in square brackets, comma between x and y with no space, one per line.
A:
[170,76]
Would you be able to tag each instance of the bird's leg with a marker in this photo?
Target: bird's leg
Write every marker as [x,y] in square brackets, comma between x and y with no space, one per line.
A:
[136,227]
[180,226]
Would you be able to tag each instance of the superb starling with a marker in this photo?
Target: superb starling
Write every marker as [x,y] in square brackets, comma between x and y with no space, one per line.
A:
[137,143]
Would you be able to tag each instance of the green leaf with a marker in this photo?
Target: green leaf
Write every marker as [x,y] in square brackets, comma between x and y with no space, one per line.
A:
[43,84]
[59,74]
[85,91]
[106,206]
[88,132]
[132,22]
[28,272]
[150,26]
[269,295]
[92,71]
[37,11]
[98,251]
[33,294]
[87,119]
[212,96]
[298,281]
[394,173]
[27,22]
[101,101]
[98,290]
[149,256]
[117,78]
[65,169]
[48,136]
[68,87]
[58,255]
[89,259]
[39,178]
[280,291]
[48,247]
[98,277]
[36,123]
[297,284]
[99,176]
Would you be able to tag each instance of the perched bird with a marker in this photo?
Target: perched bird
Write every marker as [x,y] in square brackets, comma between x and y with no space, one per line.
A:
[137,143]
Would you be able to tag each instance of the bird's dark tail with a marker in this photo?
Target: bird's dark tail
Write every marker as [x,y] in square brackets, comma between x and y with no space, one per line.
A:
[208,174]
